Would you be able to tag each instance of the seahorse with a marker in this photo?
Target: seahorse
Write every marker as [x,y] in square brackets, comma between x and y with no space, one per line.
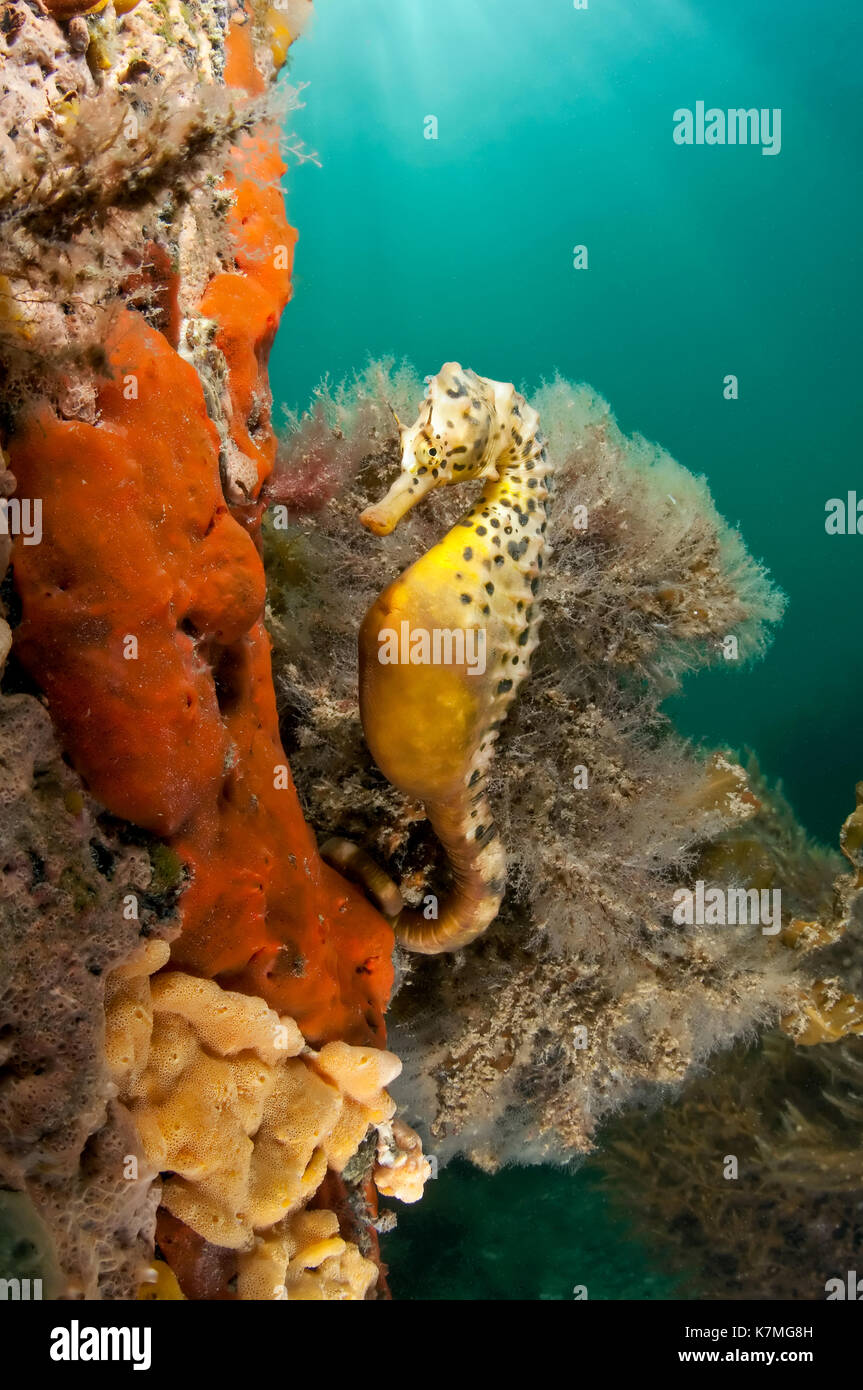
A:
[446,646]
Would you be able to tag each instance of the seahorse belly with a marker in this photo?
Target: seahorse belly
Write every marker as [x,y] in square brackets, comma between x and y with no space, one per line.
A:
[424,721]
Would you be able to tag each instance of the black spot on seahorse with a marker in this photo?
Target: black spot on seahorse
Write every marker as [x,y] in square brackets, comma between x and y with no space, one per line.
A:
[468,553]
[503,687]
[489,588]
[523,637]
[466,598]
[474,777]
[481,531]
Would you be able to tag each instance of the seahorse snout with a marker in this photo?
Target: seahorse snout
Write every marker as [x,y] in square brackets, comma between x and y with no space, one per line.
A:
[383,517]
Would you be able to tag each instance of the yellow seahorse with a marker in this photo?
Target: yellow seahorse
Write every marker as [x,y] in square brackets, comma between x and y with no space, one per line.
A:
[445,647]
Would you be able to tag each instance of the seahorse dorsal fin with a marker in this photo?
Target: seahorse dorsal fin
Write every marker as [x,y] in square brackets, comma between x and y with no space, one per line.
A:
[490,471]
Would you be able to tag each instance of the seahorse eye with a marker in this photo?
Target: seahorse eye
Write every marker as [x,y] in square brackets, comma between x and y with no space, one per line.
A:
[432,453]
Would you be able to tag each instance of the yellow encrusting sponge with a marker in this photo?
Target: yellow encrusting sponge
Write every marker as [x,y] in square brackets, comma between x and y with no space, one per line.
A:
[244,1120]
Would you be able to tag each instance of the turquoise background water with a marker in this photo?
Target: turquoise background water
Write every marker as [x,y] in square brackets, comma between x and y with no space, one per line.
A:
[525,1233]
[555,129]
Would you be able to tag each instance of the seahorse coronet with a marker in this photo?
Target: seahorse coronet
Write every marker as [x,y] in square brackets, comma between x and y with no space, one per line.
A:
[445,647]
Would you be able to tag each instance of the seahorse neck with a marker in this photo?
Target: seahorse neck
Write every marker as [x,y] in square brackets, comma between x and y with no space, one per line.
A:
[523,480]
[520,461]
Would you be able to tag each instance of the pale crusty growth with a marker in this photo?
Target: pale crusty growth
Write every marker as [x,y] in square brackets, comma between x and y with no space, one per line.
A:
[7,488]
[245,1120]
[65,923]
[402,1169]
[115,131]
[585,991]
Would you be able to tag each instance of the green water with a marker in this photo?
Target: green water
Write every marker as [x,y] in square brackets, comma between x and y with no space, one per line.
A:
[555,129]
[525,1233]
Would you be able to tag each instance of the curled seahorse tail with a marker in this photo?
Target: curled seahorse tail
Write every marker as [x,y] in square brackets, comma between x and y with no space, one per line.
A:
[353,863]
[478,863]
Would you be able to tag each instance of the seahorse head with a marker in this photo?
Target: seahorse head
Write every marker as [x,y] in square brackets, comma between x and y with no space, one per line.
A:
[451,441]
